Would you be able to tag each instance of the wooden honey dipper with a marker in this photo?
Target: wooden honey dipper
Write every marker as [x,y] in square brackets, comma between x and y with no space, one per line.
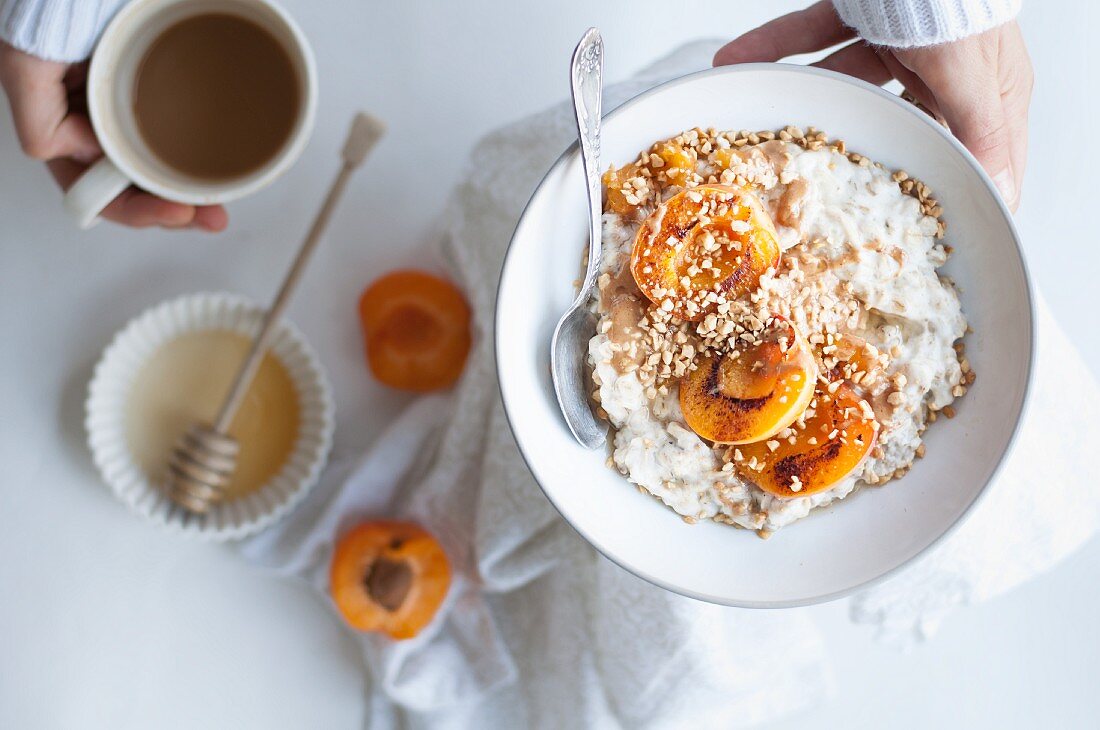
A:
[202,463]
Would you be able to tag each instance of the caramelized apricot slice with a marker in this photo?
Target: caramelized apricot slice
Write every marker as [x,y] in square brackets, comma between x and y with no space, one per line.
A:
[858,362]
[389,576]
[725,157]
[709,240]
[417,330]
[674,162]
[837,434]
[752,393]
[616,199]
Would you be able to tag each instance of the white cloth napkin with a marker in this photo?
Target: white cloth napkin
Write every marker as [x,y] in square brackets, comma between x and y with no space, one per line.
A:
[539,631]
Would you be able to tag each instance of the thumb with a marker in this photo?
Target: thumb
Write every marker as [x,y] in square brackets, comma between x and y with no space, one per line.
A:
[40,109]
[75,138]
[981,123]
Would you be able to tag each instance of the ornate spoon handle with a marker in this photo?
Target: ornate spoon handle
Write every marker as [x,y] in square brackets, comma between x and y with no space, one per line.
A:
[587,83]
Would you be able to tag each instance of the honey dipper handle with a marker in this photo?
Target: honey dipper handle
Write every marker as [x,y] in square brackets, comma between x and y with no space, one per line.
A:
[364,134]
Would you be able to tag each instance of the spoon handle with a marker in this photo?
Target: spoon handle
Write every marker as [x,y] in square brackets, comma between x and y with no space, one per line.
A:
[587,85]
[364,134]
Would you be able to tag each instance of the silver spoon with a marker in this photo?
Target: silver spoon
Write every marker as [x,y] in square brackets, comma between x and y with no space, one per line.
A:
[569,348]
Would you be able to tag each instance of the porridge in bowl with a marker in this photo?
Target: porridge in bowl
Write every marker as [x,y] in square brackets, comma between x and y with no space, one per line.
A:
[773,330]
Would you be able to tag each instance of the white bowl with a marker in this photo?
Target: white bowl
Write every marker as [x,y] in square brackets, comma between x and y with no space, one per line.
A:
[861,539]
[109,390]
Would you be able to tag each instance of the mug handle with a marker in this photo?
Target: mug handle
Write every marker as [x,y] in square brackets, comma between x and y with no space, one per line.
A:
[90,194]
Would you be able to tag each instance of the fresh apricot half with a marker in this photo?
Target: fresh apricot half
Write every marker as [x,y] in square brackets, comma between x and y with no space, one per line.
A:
[752,393]
[837,434]
[708,240]
[389,576]
[417,330]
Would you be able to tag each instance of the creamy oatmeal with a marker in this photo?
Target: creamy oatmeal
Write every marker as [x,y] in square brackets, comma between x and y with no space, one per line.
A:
[773,332]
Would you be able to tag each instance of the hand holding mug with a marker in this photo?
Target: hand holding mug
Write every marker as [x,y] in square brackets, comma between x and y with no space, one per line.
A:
[185,105]
[48,108]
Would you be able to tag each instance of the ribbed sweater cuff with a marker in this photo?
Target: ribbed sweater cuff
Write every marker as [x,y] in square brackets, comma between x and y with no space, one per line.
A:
[57,30]
[910,23]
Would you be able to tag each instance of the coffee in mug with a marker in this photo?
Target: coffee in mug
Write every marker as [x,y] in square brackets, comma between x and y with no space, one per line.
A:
[196,101]
[215,96]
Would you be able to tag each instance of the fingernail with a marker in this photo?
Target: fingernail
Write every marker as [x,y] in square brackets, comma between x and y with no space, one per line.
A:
[1006,183]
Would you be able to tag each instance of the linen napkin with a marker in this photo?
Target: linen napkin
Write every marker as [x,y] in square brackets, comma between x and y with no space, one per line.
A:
[539,631]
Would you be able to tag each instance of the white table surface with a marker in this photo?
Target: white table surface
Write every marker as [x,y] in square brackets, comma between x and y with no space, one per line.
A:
[105,621]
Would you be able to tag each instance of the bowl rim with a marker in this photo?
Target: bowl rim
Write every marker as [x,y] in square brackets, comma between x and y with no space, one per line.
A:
[1025,401]
[240,527]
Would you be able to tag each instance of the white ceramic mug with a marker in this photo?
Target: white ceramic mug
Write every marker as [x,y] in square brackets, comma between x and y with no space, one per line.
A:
[127,159]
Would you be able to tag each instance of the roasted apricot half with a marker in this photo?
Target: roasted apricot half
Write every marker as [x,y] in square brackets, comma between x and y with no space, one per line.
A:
[389,576]
[752,393]
[703,243]
[417,330]
[837,434]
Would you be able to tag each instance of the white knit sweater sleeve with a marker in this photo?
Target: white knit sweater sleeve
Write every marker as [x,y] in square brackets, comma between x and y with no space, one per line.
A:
[57,30]
[909,23]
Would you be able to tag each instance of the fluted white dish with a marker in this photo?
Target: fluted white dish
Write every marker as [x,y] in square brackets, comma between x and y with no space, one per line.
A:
[113,380]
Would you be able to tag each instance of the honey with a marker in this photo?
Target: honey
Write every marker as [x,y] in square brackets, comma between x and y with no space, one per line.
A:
[186,380]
